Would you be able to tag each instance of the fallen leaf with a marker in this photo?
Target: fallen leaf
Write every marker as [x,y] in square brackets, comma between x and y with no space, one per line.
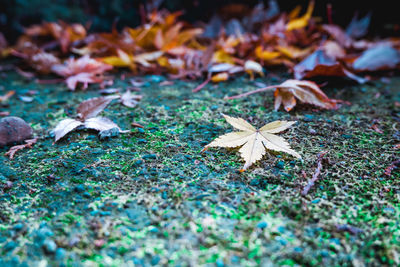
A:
[320,64]
[65,126]
[220,77]
[380,57]
[358,27]
[92,107]
[101,124]
[265,54]
[287,92]
[14,149]
[252,67]
[298,23]
[254,142]
[82,70]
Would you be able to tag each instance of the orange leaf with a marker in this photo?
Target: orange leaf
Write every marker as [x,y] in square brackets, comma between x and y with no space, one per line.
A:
[301,22]
[220,77]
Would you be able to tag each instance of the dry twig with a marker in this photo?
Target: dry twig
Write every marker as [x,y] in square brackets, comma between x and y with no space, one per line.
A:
[315,176]
[15,149]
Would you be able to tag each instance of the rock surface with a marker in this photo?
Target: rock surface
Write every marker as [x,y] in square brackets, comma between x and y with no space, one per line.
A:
[13,130]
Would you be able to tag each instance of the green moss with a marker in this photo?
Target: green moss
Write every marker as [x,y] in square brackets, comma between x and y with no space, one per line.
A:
[152,194]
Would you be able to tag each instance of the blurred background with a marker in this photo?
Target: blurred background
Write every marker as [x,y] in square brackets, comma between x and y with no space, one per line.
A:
[101,14]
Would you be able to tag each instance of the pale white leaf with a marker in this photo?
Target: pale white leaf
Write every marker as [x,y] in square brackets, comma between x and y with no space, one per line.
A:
[64,127]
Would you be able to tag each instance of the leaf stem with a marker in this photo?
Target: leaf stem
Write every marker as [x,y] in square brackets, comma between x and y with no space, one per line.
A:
[253,92]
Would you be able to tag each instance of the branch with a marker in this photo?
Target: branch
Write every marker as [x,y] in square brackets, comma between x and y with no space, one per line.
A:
[315,176]
[200,86]
[15,149]
[252,92]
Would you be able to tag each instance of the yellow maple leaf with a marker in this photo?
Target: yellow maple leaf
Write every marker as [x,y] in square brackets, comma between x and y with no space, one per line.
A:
[254,142]
[298,23]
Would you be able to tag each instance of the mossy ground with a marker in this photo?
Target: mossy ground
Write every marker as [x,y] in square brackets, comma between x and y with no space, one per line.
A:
[149,197]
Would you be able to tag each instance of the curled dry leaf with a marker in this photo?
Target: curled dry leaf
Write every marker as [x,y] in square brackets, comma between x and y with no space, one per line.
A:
[84,70]
[220,77]
[298,23]
[380,57]
[97,123]
[64,127]
[254,142]
[87,112]
[287,92]
[92,107]
[101,124]
[130,100]
[320,64]
[252,67]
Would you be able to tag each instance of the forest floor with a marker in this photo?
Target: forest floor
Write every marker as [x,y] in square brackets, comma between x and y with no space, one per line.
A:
[149,197]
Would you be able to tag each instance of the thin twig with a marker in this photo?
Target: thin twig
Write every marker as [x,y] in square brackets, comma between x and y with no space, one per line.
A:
[315,176]
[15,149]
[198,88]
[252,92]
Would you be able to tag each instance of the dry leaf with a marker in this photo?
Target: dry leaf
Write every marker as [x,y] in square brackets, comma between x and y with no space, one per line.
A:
[252,67]
[14,149]
[130,100]
[287,92]
[298,23]
[320,64]
[87,112]
[380,57]
[92,107]
[220,77]
[101,124]
[305,91]
[98,123]
[254,142]
[65,126]
[82,70]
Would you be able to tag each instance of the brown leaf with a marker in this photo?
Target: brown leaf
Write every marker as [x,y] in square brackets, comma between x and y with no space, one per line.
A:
[83,70]
[287,92]
[320,64]
[92,107]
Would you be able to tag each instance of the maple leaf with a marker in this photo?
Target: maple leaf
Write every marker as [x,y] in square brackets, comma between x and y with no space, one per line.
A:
[64,33]
[298,23]
[254,142]
[287,92]
[82,70]
[130,100]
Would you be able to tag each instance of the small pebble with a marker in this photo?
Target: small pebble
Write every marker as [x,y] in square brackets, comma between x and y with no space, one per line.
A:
[150,156]
[262,225]
[50,246]
[14,130]
[79,188]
